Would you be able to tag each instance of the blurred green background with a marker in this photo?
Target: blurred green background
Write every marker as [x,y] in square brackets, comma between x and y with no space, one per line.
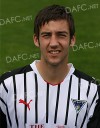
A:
[16,30]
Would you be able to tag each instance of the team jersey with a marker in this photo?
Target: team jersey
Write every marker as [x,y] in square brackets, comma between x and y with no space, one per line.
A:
[28,101]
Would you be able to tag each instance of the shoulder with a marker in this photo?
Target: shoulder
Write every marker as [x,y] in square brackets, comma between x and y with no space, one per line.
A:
[84,76]
[21,70]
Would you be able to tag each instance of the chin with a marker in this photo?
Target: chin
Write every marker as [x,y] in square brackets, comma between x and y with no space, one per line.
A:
[54,63]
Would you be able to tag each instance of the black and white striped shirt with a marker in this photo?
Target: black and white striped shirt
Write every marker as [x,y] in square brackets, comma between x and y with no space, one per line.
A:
[28,101]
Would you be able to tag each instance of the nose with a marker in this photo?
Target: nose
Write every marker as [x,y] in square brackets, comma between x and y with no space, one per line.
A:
[54,41]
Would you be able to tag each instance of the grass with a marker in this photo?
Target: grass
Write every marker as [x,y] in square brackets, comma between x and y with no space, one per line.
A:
[16,38]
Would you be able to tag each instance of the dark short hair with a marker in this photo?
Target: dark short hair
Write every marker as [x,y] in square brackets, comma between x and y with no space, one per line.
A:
[53,13]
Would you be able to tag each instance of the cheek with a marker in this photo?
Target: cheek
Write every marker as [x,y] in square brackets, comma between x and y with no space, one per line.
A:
[42,49]
[65,41]
[43,45]
[66,45]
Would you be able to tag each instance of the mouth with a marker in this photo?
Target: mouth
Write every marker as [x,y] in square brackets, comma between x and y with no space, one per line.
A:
[54,52]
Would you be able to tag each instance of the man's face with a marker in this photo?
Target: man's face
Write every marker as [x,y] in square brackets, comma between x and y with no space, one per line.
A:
[54,41]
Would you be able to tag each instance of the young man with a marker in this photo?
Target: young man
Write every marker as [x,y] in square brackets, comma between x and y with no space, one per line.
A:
[50,92]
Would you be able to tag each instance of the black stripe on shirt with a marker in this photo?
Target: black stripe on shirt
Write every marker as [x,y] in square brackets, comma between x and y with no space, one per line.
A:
[88,90]
[47,103]
[57,101]
[79,84]
[15,99]
[94,98]
[67,108]
[36,99]
[25,99]
[7,112]
[84,119]
[5,87]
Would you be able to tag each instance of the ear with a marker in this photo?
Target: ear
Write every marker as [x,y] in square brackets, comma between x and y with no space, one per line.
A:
[36,40]
[73,40]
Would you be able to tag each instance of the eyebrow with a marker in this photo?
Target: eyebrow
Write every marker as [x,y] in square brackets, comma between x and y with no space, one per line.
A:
[58,32]
[42,33]
[64,32]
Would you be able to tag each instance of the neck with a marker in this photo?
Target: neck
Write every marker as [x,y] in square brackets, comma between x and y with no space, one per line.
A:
[52,74]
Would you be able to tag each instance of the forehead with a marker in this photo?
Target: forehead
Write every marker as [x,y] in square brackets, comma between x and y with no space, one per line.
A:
[59,25]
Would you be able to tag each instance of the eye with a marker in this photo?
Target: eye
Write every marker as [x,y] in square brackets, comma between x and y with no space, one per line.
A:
[62,34]
[47,35]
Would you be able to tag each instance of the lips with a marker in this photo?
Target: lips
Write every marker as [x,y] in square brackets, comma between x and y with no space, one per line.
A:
[54,51]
